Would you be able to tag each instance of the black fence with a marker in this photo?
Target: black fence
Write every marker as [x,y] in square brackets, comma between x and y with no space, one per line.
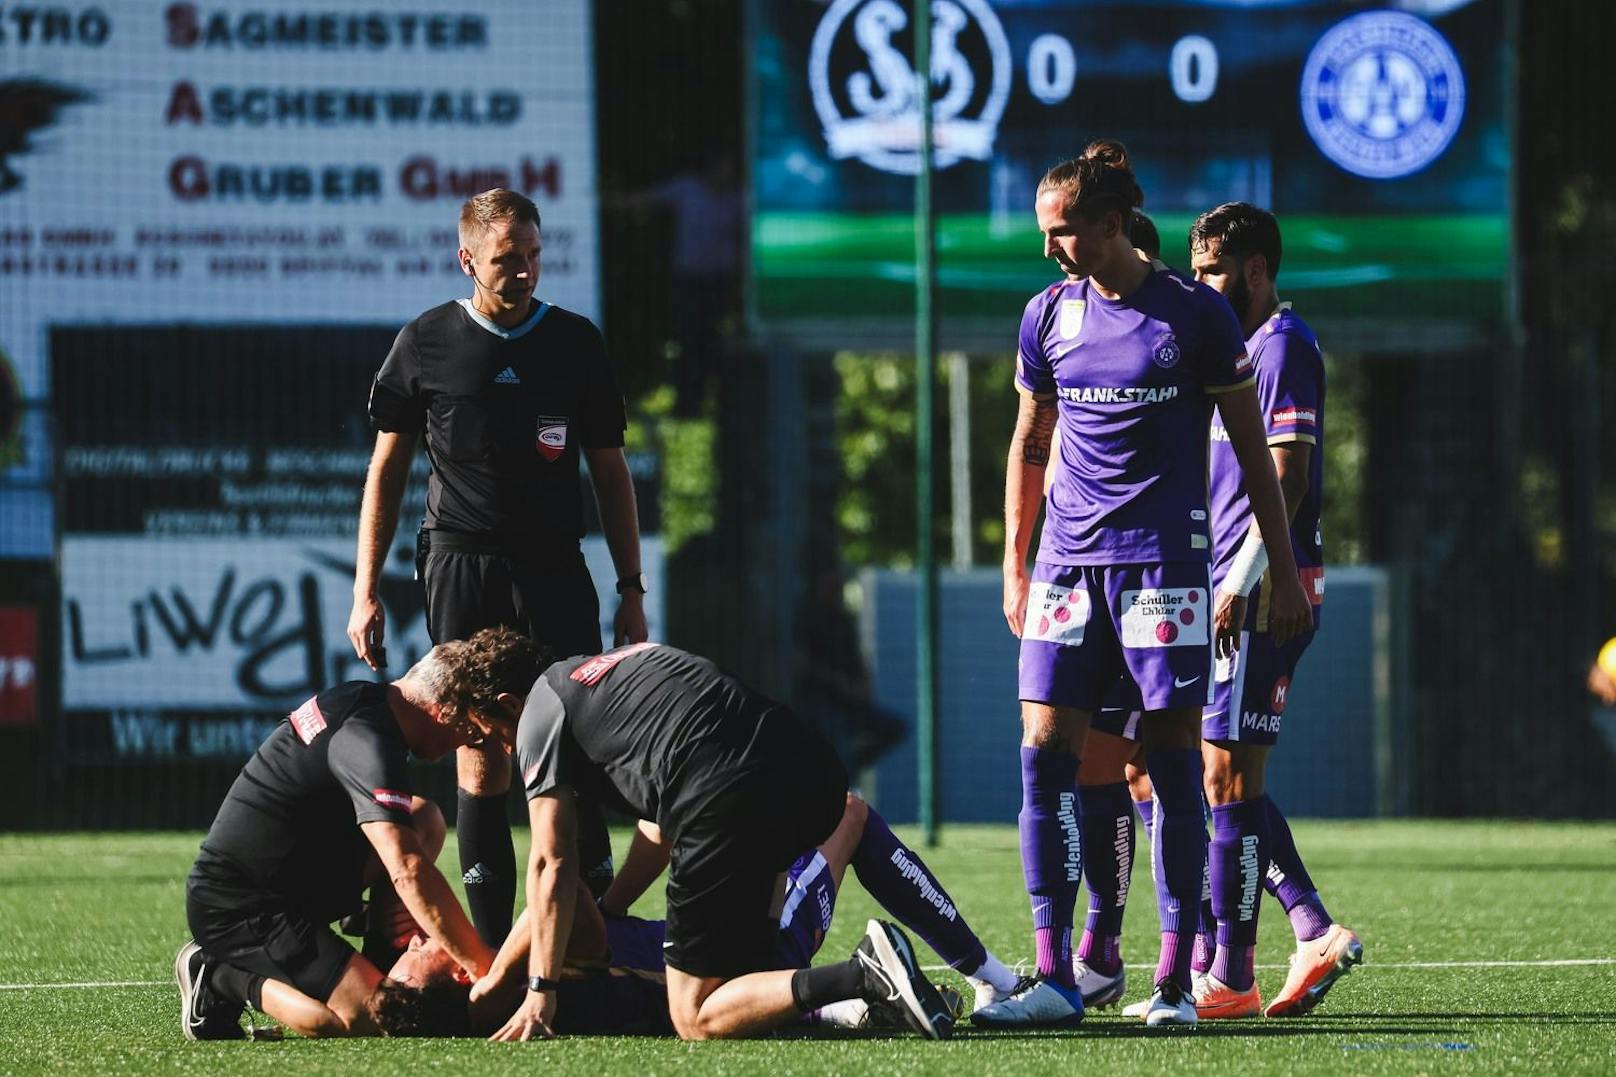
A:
[217,471]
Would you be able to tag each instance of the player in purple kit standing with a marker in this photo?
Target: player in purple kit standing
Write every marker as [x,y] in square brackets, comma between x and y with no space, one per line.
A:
[1128,357]
[1236,250]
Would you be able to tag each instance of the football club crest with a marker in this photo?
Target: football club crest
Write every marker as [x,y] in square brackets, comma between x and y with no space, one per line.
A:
[1166,353]
[1071,317]
[864,87]
[1382,94]
[551,438]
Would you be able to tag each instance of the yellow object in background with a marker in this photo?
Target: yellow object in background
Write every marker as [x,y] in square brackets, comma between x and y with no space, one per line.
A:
[1607,657]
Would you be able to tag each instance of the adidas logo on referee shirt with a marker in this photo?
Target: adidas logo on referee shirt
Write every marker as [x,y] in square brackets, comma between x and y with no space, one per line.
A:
[507,377]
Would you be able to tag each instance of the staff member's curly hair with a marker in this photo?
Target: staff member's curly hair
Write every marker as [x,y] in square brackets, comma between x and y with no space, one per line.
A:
[469,675]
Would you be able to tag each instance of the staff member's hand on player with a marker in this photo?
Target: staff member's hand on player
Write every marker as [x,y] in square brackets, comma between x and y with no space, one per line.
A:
[534,1018]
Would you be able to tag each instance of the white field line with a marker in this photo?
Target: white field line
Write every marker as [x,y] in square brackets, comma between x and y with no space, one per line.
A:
[1557,963]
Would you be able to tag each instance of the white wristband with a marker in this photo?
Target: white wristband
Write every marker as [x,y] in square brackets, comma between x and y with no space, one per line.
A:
[1248,566]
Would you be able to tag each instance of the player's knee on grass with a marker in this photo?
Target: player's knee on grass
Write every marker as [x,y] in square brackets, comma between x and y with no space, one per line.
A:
[687,996]
[1233,772]
[483,770]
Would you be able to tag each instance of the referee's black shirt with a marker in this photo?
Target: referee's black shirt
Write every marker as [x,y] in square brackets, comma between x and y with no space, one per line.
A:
[506,413]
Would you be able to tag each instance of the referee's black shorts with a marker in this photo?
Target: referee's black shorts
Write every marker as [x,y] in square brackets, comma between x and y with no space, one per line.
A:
[729,852]
[547,597]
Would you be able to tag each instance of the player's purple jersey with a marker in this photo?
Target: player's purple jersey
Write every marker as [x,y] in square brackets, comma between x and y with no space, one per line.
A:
[636,943]
[1132,377]
[1290,391]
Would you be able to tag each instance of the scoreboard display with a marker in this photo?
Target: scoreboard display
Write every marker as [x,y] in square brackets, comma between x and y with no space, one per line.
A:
[1377,132]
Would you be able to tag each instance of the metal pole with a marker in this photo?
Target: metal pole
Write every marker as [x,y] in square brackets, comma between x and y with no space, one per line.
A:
[959,455]
[925,418]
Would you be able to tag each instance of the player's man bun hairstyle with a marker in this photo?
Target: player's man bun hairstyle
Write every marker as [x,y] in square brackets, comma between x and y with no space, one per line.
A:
[1144,235]
[480,211]
[440,1007]
[1240,230]
[1101,179]
[470,674]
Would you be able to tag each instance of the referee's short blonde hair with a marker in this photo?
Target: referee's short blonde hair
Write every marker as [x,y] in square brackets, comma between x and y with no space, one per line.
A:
[480,211]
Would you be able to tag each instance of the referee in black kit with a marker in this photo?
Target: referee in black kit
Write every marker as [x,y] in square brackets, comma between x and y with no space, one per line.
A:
[510,392]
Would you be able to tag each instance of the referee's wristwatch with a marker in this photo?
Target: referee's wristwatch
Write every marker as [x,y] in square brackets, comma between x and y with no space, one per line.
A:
[540,984]
[635,582]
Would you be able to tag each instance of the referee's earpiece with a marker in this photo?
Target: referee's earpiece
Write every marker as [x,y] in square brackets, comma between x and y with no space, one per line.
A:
[466,268]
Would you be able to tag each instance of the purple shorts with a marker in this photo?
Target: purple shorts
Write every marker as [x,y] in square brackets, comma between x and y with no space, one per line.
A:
[1088,626]
[1250,688]
[1254,684]
[810,898]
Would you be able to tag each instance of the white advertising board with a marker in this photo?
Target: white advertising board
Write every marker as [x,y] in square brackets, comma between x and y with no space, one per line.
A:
[256,624]
[271,162]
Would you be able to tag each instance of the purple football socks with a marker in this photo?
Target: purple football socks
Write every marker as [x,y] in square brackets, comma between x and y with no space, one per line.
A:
[1108,848]
[1238,859]
[1289,881]
[905,887]
[1051,854]
[1179,856]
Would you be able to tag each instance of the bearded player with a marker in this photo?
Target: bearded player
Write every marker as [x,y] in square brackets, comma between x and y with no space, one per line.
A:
[1236,250]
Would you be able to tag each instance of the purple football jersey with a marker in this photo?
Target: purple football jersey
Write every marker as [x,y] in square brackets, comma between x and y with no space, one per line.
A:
[1290,391]
[1132,377]
[636,943]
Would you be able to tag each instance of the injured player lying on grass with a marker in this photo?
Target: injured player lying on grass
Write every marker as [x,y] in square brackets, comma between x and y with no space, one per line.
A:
[614,982]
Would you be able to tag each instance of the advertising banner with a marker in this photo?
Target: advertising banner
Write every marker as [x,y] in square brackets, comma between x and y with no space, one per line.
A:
[268,163]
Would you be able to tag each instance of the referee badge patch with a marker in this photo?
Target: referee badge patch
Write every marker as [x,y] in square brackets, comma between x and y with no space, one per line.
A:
[551,437]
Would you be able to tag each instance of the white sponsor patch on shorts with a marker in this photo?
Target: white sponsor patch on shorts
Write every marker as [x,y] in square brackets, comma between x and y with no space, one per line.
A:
[1056,614]
[1165,617]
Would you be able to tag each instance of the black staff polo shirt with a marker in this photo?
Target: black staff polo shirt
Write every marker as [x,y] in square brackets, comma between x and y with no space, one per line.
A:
[506,413]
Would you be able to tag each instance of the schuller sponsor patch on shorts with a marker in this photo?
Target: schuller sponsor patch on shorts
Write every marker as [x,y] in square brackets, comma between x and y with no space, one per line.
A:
[551,437]
[1165,617]
[1056,614]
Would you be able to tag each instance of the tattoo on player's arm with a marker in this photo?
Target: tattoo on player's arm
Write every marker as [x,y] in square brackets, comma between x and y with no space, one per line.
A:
[1037,422]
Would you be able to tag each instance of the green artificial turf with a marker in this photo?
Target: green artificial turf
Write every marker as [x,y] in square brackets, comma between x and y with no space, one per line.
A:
[109,909]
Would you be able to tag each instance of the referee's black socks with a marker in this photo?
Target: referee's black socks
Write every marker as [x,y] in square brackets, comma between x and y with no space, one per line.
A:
[487,863]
